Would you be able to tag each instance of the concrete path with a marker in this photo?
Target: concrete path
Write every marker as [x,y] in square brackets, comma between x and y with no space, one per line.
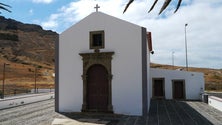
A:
[162,112]
[13,101]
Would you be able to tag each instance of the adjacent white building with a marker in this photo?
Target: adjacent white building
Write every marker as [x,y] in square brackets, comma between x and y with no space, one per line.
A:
[102,65]
[174,84]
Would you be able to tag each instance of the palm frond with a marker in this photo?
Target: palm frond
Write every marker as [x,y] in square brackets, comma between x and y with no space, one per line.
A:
[178,5]
[153,5]
[166,3]
[127,5]
[3,7]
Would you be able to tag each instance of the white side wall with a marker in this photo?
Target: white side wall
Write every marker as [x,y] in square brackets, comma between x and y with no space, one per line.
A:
[121,37]
[148,80]
[215,102]
[194,82]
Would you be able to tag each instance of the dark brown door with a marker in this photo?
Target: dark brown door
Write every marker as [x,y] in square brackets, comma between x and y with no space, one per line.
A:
[97,88]
[158,88]
[178,89]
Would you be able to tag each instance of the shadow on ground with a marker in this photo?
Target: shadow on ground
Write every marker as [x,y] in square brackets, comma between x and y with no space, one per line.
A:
[95,118]
[162,112]
[172,112]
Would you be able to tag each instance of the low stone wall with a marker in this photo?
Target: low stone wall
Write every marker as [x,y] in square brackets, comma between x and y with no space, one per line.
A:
[42,90]
[215,102]
[217,94]
[24,99]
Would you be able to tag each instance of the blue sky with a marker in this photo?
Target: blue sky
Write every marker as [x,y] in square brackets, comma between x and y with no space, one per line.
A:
[33,11]
[203,31]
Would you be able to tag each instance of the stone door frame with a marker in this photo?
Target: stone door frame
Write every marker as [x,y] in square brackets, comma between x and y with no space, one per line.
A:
[90,59]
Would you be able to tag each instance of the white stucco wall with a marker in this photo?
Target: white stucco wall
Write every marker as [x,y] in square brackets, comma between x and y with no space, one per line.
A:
[148,80]
[121,37]
[194,82]
[215,102]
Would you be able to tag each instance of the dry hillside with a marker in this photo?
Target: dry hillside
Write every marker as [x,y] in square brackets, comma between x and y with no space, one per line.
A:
[30,52]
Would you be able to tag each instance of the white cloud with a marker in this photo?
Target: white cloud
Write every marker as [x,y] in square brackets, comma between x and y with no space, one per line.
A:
[203,35]
[203,30]
[52,23]
[42,1]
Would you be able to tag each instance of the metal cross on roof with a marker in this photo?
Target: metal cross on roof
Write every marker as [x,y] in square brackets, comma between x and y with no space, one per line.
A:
[97,7]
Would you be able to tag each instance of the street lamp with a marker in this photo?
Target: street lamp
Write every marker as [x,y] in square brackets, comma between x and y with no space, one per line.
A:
[185,29]
[3,80]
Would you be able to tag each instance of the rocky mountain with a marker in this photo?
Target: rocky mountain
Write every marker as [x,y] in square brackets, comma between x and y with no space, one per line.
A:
[26,43]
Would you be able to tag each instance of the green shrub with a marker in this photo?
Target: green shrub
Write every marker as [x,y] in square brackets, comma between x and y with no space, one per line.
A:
[39,67]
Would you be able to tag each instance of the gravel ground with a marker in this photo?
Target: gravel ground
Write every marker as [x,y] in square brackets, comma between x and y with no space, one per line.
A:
[40,113]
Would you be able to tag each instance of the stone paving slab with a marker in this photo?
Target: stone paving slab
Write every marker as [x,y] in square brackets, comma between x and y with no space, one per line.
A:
[162,112]
[213,115]
[170,112]
[174,112]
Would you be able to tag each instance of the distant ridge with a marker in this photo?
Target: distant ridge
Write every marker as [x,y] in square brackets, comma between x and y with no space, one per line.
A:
[10,24]
[26,43]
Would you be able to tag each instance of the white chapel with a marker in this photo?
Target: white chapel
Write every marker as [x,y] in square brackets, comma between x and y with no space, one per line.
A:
[103,65]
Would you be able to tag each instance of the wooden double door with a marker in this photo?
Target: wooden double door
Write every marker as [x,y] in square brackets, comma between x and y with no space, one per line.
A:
[97,88]
[178,89]
[158,88]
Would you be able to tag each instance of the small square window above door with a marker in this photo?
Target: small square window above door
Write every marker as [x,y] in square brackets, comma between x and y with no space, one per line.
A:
[97,39]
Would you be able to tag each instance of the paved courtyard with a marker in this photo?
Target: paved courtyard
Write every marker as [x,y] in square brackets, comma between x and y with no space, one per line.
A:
[162,112]
[170,112]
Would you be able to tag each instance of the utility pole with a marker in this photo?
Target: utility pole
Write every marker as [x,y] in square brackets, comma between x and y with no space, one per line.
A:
[173,60]
[3,80]
[35,78]
[185,29]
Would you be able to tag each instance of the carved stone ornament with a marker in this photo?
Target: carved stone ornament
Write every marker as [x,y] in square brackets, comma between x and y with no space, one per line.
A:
[90,59]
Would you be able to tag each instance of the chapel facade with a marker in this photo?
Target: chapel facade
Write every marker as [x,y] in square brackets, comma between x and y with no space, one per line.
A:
[103,65]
